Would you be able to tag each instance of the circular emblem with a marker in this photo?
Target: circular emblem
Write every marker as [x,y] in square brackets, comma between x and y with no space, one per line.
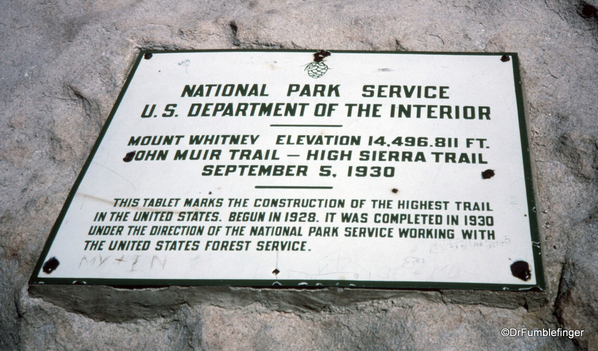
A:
[316,69]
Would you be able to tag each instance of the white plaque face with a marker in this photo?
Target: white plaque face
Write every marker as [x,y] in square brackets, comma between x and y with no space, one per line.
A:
[261,168]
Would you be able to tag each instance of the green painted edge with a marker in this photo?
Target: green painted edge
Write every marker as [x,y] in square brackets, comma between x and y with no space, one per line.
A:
[450,53]
[529,181]
[75,187]
[540,282]
[283,283]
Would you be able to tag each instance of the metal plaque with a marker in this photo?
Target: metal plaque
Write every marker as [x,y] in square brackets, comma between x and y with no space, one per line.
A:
[304,168]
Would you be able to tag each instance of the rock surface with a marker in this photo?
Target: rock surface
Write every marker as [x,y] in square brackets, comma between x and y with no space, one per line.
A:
[64,63]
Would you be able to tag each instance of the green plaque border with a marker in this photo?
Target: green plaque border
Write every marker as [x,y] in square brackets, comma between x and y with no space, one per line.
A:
[282,283]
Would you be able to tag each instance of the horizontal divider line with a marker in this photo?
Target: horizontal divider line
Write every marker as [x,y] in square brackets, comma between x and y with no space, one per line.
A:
[290,187]
[308,125]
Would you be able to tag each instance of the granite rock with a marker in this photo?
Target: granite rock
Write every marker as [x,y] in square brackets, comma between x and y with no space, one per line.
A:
[65,61]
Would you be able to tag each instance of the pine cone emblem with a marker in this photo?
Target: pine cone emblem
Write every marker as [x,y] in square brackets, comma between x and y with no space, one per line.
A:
[318,68]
